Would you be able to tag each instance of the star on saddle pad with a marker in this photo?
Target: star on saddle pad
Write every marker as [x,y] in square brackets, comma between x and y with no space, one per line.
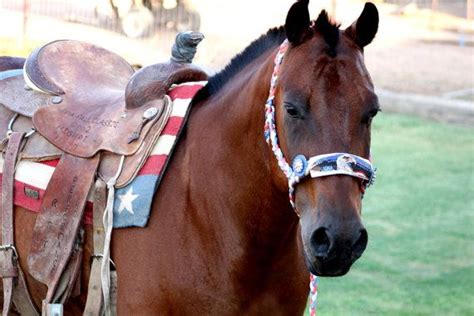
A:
[126,201]
[132,203]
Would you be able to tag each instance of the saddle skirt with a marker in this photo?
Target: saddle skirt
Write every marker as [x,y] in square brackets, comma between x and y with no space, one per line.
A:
[133,201]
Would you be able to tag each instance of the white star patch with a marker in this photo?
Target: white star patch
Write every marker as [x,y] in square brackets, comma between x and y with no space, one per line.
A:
[126,201]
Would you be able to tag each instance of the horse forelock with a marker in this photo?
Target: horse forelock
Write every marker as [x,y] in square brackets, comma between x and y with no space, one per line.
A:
[329,31]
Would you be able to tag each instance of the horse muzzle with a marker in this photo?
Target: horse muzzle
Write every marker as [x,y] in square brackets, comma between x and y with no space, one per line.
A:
[331,252]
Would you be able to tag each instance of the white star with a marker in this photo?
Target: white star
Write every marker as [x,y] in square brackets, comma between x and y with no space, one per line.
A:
[126,201]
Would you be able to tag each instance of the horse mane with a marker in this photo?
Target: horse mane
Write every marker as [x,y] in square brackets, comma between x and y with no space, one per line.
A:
[273,37]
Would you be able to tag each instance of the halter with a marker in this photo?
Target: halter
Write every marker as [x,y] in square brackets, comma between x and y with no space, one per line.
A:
[316,166]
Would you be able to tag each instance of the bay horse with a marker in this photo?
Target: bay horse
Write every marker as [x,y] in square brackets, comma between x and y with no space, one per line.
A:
[224,237]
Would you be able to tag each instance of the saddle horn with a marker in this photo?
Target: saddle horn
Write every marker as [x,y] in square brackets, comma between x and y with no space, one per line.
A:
[153,82]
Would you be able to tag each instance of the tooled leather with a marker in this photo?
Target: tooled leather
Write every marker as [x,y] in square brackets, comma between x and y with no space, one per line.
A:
[58,222]
[37,148]
[132,164]
[16,98]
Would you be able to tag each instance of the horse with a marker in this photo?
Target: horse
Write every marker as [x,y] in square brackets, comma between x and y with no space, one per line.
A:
[234,228]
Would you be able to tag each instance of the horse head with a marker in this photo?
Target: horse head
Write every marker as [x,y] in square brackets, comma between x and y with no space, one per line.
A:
[324,102]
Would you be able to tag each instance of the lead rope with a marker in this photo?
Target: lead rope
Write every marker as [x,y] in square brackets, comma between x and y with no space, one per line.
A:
[108,221]
[272,139]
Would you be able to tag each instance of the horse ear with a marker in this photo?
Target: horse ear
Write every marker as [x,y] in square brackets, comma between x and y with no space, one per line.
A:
[297,22]
[364,29]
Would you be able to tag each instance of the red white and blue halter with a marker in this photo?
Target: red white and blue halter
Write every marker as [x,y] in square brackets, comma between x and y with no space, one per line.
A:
[316,166]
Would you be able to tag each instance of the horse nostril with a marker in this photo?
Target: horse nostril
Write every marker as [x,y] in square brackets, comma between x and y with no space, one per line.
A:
[359,246]
[321,242]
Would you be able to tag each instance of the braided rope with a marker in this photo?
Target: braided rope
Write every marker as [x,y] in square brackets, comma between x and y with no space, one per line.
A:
[313,294]
[272,139]
[270,128]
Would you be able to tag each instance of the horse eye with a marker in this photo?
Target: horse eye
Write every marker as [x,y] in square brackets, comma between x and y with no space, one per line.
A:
[370,115]
[292,111]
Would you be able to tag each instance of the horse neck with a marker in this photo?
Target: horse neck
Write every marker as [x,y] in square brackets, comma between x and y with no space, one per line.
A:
[248,199]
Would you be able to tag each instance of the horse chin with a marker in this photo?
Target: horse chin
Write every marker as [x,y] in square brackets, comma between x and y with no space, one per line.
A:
[328,268]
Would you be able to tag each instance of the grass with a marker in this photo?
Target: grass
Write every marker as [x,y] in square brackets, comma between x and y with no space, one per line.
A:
[419,215]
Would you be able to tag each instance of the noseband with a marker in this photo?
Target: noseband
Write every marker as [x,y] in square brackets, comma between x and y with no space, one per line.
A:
[316,166]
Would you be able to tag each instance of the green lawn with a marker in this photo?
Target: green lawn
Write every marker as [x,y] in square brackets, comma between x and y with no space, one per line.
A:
[419,215]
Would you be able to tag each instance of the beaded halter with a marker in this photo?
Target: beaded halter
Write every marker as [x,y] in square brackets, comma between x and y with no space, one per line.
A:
[316,166]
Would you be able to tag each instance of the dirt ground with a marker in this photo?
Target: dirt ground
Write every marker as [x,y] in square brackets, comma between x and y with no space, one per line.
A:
[428,68]
[423,54]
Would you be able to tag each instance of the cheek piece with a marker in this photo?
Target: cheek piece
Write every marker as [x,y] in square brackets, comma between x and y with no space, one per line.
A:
[316,166]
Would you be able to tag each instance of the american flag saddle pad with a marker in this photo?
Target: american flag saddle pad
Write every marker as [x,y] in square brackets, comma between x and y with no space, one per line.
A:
[133,202]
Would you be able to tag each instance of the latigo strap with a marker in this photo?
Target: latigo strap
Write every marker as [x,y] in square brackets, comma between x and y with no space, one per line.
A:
[9,255]
[94,293]
[14,285]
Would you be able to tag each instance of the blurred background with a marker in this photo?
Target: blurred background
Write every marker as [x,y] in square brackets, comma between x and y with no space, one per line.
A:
[420,213]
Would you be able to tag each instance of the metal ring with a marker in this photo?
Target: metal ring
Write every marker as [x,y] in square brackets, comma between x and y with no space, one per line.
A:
[10,124]
[9,247]
[10,127]
[31,132]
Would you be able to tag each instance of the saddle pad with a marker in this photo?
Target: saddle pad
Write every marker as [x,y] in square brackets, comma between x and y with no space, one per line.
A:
[132,202]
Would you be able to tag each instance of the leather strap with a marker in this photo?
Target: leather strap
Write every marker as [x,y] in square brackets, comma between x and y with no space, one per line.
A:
[113,292]
[21,297]
[75,263]
[57,224]
[9,255]
[70,277]
[94,293]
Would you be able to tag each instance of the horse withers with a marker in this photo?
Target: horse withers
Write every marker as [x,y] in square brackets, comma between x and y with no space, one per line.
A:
[235,228]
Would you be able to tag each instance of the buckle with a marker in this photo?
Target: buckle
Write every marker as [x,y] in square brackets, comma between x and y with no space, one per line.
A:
[9,247]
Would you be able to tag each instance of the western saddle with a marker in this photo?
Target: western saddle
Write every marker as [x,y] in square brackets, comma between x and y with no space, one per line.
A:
[85,105]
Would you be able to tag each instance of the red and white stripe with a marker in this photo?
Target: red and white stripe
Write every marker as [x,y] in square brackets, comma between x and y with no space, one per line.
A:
[36,175]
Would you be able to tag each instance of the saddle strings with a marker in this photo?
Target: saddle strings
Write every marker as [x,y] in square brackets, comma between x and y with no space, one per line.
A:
[108,221]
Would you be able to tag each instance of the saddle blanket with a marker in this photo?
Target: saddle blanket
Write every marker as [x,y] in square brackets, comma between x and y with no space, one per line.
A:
[132,203]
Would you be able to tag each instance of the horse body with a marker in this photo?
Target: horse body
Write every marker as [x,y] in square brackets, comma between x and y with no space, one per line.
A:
[232,248]
[228,261]
[222,237]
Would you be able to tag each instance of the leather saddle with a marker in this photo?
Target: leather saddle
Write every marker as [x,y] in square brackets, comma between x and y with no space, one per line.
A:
[90,108]
[96,101]
[90,113]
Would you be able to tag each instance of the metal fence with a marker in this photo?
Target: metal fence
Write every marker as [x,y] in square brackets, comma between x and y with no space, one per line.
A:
[133,18]
[144,18]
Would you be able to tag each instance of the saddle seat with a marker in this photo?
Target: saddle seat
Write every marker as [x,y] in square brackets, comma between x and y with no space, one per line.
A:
[88,112]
